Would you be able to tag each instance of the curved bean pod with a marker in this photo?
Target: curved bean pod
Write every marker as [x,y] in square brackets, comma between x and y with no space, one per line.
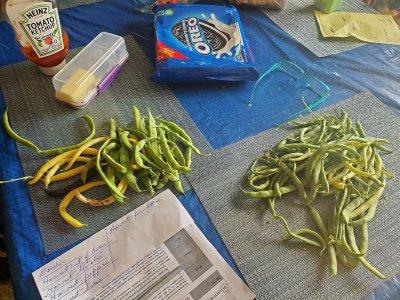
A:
[49,164]
[82,148]
[111,185]
[62,209]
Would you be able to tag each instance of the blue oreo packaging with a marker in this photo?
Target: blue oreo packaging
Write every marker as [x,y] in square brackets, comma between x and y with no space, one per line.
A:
[196,42]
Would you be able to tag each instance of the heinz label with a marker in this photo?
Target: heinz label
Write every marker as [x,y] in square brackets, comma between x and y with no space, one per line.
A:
[41,24]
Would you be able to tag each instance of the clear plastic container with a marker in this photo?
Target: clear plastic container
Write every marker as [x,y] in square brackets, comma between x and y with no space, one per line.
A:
[91,71]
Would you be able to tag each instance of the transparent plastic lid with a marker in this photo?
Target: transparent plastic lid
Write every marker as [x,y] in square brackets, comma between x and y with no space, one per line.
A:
[91,71]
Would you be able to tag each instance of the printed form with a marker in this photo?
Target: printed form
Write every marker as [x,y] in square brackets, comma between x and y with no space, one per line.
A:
[155,252]
[374,28]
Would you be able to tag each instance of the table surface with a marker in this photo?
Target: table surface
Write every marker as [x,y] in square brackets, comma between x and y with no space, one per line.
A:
[371,67]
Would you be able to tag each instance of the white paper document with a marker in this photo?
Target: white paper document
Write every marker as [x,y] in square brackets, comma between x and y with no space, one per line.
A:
[155,252]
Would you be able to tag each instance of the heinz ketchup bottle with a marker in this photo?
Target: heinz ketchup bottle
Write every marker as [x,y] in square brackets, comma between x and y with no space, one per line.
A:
[38,31]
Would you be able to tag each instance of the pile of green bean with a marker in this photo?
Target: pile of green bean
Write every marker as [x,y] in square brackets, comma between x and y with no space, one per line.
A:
[327,156]
[148,153]
[145,156]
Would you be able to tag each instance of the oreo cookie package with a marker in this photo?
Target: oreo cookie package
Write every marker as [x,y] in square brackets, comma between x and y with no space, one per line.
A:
[196,42]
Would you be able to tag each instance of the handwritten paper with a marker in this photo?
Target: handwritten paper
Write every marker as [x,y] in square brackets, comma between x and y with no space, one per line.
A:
[374,28]
[154,252]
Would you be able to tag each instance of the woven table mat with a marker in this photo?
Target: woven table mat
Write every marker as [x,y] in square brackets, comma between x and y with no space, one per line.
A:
[62,4]
[298,19]
[35,114]
[277,269]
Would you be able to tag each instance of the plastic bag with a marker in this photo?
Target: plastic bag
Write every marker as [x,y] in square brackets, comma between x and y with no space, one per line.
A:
[198,42]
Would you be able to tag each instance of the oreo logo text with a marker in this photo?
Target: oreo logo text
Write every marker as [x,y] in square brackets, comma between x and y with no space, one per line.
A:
[197,38]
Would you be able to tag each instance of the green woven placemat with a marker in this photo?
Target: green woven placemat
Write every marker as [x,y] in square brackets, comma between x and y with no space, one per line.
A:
[37,115]
[277,269]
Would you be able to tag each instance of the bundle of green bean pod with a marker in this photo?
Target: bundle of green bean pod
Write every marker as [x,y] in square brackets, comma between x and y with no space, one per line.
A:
[327,156]
[149,153]
[144,157]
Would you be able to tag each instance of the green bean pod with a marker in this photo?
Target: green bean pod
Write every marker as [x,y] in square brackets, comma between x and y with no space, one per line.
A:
[111,174]
[311,166]
[162,182]
[177,153]
[270,193]
[184,141]
[252,179]
[178,186]
[314,181]
[129,176]
[366,218]
[152,131]
[158,160]
[52,151]
[352,263]
[322,178]
[147,183]
[123,137]
[15,136]
[141,135]
[349,249]
[155,178]
[369,203]
[350,207]
[166,152]
[111,161]
[175,128]
[113,129]
[138,148]
[188,157]
[295,179]
[151,163]
[92,127]
[298,234]
[364,238]
[137,119]
[111,185]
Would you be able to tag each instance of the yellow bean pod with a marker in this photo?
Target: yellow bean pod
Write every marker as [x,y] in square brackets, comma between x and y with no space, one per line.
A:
[52,162]
[356,171]
[56,167]
[81,149]
[62,209]
[122,186]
